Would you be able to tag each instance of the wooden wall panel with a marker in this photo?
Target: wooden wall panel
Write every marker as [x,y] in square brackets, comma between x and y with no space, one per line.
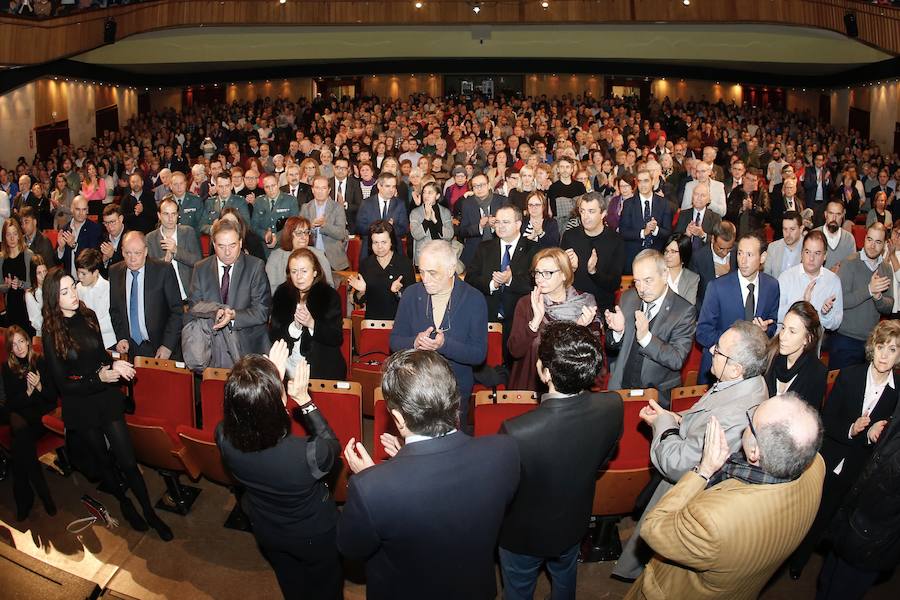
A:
[73,34]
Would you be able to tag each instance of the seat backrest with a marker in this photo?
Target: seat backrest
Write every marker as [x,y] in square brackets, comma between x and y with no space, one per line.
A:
[3,353]
[347,343]
[859,235]
[51,235]
[374,338]
[494,345]
[163,390]
[832,377]
[633,451]
[684,398]
[691,367]
[384,423]
[201,455]
[492,409]
[353,246]
[342,294]
[155,442]
[212,397]
[204,244]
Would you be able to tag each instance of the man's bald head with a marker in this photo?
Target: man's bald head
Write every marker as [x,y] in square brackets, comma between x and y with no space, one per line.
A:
[788,436]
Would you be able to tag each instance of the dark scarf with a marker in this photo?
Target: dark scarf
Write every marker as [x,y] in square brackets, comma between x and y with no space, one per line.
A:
[737,467]
[779,370]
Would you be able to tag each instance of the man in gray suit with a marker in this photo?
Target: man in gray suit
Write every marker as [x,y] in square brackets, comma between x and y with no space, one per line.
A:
[238,282]
[175,244]
[329,222]
[739,361]
[786,252]
[652,330]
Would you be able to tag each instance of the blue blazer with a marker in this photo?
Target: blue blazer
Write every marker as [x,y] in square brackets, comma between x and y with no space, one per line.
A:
[89,237]
[465,336]
[722,306]
[369,212]
[632,222]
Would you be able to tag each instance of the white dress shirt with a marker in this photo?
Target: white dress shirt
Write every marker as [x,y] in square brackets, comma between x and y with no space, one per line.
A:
[96,298]
[745,290]
[512,252]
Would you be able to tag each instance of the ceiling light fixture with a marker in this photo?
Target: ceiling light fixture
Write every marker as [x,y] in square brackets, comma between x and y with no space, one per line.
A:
[545,4]
[476,8]
[686,2]
[282,1]
[419,4]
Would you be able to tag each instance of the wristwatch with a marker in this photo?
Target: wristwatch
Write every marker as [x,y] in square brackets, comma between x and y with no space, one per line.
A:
[308,408]
[697,471]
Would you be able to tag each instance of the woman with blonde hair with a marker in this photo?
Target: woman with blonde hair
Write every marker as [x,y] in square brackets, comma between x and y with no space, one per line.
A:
[15,266]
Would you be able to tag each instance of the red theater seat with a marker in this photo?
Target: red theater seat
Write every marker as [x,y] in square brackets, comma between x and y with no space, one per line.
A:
[212,396]
[353,246]
[494,356]
[491,409]
[163,390]
[691,368]
[384,423]
[372,347]
[683,398]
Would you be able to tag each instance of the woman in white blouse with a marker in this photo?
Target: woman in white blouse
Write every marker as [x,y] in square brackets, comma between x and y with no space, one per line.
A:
[677,253]
[93,290]
[34,298]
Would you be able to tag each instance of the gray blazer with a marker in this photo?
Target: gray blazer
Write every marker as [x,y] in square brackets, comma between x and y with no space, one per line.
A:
[420,236]
[775,256]
[276,266]
[248,295]
[186,256]
[677,454]
[334,232]
[672,331]
[688,284]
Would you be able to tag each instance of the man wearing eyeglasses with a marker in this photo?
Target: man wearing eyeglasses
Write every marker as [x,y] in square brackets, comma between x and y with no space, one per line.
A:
[738,363]
[732,520]
[478,216]
[500,269]
[329,224]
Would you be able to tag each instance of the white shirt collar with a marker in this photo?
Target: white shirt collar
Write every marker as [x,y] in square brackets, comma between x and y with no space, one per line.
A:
[412,439]
[722,260]
[871,263]
[744,281]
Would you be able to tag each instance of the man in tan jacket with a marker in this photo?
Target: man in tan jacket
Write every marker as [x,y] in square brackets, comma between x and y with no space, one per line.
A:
[727,525]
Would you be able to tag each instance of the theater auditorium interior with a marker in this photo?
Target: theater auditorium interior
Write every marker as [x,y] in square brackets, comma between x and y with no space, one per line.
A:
[131,108]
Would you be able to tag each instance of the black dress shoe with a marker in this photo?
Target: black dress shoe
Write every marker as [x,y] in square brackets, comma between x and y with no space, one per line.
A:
[163,530]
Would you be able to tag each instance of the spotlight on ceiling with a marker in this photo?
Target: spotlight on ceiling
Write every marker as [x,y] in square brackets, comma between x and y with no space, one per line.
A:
[282,1]
[545,4]
[686,2]
[476,8]
[419,4]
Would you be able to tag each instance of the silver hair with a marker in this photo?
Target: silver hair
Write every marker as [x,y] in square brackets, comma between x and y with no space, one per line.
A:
[751,351]
[443,250]
[652,255]
[785,449]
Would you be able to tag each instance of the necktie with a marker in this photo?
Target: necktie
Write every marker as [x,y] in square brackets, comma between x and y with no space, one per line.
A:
[648,310]
[383,208]
[134,319]
[646,211]
[749,305]
[504,264]
[696,217]
[226,282]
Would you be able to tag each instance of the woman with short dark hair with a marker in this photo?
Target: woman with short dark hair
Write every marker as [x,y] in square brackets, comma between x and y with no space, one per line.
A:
[294,516]
[383,274]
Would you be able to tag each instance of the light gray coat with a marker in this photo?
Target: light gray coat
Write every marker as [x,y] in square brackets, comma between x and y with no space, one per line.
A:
[333,231]
[187,253]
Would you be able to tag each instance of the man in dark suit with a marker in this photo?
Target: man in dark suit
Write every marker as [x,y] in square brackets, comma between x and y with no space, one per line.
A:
[646,221]
[501,269]
[111,246]
[144,303]
[744,294]
[716,259]
[477,217]
[651,331]
[175,244]
[383,204]
[345,189]
[470,153]
[139,206]
[552,507]
[698,223]
[296,188]
[748,206]
[785,200]
[78,234]
[817,186]
[238,282]
[36,241]
[426,521]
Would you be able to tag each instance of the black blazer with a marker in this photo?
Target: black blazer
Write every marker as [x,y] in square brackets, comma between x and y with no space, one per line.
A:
[810,383]
[686,216]
[89,236]
[117,253]
[163,312]
[352,196]
[702,265]
[426,521]
[552,507]
[322,349]
[144,222]
[844,406]
[40,245]
[380,301]
[487,260]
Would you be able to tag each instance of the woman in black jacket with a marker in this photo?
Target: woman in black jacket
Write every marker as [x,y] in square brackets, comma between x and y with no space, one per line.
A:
[383,274]
[306,313]
[794,365]
[29,396]
[863,399]
[294,517]
[867,528]
[93,407]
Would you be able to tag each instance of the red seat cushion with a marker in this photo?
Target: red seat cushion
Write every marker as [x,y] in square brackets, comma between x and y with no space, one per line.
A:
[633,451]
[212,399]
[489,417]
[165,395]
[384,423]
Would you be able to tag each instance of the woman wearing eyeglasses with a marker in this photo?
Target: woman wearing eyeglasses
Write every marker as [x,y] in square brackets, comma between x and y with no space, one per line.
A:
[306,313]
[538,226]
[553,299]
[857,411]
[296,234]
[794,364]
[677,254]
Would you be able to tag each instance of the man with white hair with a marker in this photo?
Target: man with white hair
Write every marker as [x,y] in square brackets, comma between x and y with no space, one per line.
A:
[717,201]
[444,314]
[162,190]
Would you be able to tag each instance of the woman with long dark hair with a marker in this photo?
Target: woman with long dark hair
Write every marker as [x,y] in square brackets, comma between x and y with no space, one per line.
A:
[294,517]
[29,396]
[794,364]
[93,407]
[306,313]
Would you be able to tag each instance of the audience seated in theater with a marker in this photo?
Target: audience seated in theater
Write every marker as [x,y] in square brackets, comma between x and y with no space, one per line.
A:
[554,298]
[786,201]
[477,215]
[223,199]
[717,198]
[596,252]
[681,280]
[294,516]
[552,507]
[739,361]
[383,275]
[345,189]
[113,232]
[698,223]
[430,220]
[93,291]
[537,224]
[625,186]
[294,235]
[786,252]
[175,244]
[78,234]
[60,201]
[773,481]
[329,224]
[794,364]
[748,206]
[190,206]
[446,315]
[879,212]
[651,331]
[433,512]
[138,207]
[861,403]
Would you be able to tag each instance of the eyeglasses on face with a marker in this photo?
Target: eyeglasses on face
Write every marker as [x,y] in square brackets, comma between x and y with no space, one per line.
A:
[544,274]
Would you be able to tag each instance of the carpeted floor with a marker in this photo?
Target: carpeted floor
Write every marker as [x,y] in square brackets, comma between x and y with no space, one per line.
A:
[207,561]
